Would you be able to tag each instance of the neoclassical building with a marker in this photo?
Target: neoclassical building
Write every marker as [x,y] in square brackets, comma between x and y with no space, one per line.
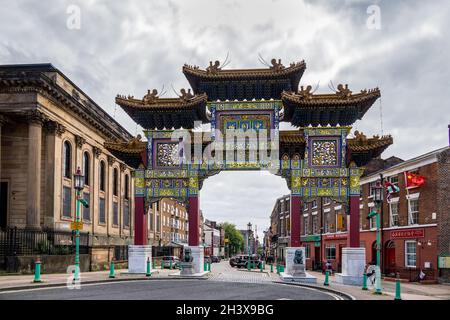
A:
[49,128]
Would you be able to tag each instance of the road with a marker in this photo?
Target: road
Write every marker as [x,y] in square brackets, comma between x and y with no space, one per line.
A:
[224,283]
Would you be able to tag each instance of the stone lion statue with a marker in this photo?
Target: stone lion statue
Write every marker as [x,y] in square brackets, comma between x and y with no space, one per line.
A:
[298,257]
[188,255]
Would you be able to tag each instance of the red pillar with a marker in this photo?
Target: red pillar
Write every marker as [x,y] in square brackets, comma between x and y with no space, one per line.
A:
[353,238]
[194,221]
[296,211]
[140,221]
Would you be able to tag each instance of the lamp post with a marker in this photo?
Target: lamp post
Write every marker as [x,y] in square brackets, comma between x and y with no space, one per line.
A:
[378,198]
[79,185]
[249,229]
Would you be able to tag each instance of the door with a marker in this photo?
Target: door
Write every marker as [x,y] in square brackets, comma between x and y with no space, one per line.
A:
[317,258]
[3,204]
[389,254]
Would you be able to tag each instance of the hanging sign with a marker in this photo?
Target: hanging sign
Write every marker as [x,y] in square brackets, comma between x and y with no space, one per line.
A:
[76,225]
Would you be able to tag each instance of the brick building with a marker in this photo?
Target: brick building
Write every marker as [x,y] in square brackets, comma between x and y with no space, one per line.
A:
[280,227]
[167,227]
[415,221]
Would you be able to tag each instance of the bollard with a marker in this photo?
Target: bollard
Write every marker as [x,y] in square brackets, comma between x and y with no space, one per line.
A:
[170,264]
[248,265]
[364,281]
[278,268]
[153,264]
[37,271]
[261,266]
[149,272]
[209,266]
[205,268]
[271,268]
[398,295]
[111,269]
[326,283]
[162,264]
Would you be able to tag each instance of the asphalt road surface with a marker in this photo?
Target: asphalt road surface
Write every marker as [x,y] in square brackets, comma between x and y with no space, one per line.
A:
[172,290]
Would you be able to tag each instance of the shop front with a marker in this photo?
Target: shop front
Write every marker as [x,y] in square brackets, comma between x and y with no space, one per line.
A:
[332,249]
[312,251]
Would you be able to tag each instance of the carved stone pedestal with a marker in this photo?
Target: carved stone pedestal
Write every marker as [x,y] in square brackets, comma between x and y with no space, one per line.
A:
[353,263]
[137,258]
[295,267]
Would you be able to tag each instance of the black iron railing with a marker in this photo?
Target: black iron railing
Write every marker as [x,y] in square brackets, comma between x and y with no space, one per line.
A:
[22,242]
[121,253]
[411,274]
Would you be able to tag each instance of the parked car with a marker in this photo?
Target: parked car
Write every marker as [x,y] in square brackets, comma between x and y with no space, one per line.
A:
[175,262]
[242,260]
[215,259]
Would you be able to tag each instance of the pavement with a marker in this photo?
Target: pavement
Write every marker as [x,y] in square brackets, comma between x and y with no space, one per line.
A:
[222,276]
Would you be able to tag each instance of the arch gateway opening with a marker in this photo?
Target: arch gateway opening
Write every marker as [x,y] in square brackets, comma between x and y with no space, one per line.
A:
[244,108]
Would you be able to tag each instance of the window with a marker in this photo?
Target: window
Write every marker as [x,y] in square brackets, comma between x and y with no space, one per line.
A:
[393,180]
[330,252]
[115,214]
[307,251]
[393,210]
[305,206]
[86,167]
[158,223]
[410,253]
[102,215]
[67,163]
[413,211]
[115,182]
[373,222]
[326,200]
[314,204]
[127,196]
[315,224]
[306,225]
[326,221]
[341,221]
[67,202]
[86,211]
[102,176]
[126,216]
[372,187]
[152,221]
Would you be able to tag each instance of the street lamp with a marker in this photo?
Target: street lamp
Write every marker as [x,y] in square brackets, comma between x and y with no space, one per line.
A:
[378,199]
[79,185]
[249,229]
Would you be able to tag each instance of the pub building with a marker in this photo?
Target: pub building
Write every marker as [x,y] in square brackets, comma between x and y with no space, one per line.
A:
[414,221]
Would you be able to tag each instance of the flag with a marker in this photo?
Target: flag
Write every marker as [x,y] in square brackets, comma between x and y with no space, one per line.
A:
[390,189]
[413,180]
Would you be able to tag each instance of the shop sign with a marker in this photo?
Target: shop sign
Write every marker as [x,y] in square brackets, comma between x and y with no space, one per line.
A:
[444,262]
[408,234]
[336,236]
[313,238]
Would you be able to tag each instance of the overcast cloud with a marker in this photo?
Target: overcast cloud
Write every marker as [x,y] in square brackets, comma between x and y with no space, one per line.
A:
[128,47]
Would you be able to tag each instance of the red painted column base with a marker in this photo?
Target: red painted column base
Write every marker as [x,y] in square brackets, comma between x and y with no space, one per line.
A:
[296,211]
[194,221]
[353,237]
[140,221]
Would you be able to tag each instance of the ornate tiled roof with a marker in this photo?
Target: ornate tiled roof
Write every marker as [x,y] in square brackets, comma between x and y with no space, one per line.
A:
[293,136]
[362,149]
[153,112]
[305,108]
[129,151]
[239,84]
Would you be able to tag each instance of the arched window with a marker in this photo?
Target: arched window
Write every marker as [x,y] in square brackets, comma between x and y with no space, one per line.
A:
[115,182]
[86,167]
[126,186]
[102,176]
[67,160]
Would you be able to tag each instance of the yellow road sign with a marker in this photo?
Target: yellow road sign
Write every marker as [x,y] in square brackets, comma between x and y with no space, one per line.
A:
[76,225]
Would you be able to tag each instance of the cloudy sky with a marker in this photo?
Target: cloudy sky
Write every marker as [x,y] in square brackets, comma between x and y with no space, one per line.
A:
[128,47]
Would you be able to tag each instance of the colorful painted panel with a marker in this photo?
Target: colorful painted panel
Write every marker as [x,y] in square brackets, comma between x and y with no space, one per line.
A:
[167,154]
[324,152]
[245,121]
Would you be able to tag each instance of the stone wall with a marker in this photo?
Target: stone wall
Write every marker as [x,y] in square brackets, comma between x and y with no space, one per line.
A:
[49,263]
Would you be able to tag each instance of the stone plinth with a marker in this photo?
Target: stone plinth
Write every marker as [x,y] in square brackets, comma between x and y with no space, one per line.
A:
[137,258]
[353,264]
[187,268]
[295,271]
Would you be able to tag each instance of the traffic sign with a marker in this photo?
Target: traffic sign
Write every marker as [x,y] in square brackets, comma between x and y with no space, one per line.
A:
[76,225]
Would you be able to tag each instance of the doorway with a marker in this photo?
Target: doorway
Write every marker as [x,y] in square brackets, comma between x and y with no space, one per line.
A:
[389,257]
[317,259]
[3,204]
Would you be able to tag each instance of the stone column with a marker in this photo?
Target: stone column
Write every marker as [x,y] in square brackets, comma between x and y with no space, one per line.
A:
[2,122]
[194,221]
[33,218]
[296,211]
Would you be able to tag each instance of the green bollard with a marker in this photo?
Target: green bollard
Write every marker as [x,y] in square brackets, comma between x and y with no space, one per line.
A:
[37,271]
[261,266]
[149,272]
[326,283]
[170,264]
[398,295]
[209,266]
[153,264]
[271,268]
[205,268]
[364,281]
[111,269]
[162,264]
[278,268]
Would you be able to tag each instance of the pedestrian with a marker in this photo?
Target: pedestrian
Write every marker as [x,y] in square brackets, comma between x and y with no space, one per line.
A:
[329,267]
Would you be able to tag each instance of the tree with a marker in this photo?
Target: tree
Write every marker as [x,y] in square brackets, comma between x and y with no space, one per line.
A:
[235,238]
